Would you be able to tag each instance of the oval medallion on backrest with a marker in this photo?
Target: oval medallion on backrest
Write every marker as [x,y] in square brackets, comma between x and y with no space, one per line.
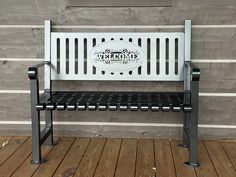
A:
[117,56]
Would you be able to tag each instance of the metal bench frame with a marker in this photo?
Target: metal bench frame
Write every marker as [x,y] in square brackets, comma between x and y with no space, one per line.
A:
[188,72]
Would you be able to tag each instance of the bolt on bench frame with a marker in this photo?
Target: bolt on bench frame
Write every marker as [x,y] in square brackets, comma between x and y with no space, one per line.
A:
[187,72]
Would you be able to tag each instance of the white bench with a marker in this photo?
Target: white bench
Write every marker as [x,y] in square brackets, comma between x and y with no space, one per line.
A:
[116,56]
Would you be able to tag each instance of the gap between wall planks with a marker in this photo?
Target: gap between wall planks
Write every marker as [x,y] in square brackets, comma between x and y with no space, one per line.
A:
[121,124]
[118,27]
[200,94]
[193,60]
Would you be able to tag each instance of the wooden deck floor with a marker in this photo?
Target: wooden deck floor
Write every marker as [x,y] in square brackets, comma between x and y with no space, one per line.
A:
[97,157]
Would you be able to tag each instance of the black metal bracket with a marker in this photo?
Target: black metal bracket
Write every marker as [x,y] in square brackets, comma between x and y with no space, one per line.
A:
[194,71]
[33,71]
[192,165]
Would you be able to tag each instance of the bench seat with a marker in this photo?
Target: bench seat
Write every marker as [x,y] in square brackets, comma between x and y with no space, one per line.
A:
[123,101]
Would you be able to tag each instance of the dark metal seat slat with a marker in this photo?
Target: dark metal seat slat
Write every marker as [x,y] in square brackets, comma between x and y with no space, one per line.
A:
[50,105]
[112,104]
[61,103]
[123,101]
[71,104]
[103,102]
[82,101]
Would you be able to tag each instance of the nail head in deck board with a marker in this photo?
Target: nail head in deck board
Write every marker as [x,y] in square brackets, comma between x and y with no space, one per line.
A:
[107,163]
[14,161]
[145,164]
[26,168]
[54,158]
[164,159]
[180,156]
[89,162]
[11,147]
[73,157]
[219,159]
[206,167]
[127,158]
[118,3]
[230,149]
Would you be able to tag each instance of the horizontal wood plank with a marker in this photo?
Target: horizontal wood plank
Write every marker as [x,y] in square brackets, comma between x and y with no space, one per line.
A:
[211,80]
[118,3]
[206,43]
[209,112]
[36,13]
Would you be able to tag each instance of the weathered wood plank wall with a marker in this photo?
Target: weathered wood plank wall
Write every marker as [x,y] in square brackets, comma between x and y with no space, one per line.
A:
[213,50]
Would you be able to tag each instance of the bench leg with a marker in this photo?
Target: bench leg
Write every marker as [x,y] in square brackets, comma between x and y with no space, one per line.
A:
[35,118]
[48,120]
[193,131]
[186,125]
[36,148]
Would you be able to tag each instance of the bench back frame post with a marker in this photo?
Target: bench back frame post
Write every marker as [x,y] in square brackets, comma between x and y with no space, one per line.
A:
[47,78]
[187,53]
[47,56]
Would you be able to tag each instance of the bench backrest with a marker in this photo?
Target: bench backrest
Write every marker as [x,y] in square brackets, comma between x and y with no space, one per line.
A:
[115,56]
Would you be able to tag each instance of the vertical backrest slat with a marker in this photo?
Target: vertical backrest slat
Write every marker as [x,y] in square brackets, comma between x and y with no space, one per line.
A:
[153,60]
[187,38]
[162,60]
[180,58]
[80,55]
[71,55]
[171,56]
[47,55]
[144,65]
[54,57]
[126,39]
[98,70]
[62,55]
[89,63]
[135,42]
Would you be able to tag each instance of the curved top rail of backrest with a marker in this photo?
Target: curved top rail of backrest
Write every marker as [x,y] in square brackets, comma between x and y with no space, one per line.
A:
[156,56]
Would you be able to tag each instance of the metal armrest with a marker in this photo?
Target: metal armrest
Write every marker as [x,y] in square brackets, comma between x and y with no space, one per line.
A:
[194,71]
[33,71]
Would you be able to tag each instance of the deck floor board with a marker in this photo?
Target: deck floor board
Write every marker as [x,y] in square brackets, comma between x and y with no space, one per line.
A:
[101,157]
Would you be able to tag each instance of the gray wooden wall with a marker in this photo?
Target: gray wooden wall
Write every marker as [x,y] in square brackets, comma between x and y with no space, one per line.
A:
[213,50]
